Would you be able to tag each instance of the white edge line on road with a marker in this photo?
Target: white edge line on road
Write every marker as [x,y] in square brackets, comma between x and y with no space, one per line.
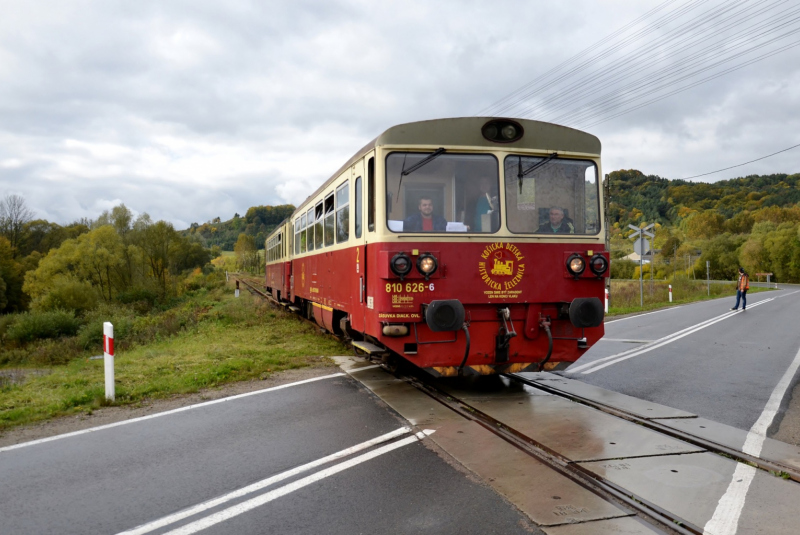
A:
[165,413]
[725,520]
[596,365]
[199,508]
[225,514]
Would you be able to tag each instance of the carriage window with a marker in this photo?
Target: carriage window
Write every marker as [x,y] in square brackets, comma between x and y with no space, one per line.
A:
[551,196]
[303,234]
[297,228]
[448,193]
[310,229]
[343,212]
[318,226]
[358,207]
[329,225]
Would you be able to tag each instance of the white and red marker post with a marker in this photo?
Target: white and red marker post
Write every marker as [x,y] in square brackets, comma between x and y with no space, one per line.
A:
[606,300]
[670,293]
[108,359]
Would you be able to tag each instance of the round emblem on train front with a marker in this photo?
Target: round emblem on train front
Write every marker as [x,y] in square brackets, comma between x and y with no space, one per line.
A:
[501,268]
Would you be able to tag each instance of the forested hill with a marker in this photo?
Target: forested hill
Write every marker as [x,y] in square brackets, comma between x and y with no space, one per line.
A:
[636,197]
[258,222]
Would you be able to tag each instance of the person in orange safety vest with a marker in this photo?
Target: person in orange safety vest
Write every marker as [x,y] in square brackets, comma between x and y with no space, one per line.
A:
[742,286]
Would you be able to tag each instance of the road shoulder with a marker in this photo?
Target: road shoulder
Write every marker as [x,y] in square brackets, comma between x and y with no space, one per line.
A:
[109,415]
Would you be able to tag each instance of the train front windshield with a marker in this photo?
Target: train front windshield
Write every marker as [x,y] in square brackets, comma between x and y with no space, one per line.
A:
[551,196]
[442,192]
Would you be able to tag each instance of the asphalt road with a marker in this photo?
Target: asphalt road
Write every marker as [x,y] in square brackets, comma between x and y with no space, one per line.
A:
[718,364]
[115,479]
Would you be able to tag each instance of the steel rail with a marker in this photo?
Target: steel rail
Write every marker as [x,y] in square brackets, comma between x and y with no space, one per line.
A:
[644,509]
[714,447]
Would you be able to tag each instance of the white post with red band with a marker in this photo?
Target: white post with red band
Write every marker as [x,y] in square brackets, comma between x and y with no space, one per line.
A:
[606,300]
[108,359]
[670,293]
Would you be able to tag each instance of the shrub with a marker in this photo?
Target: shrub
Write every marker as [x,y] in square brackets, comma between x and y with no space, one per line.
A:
[623,268]
[138,294]
[5,323]
[53,352]
[66,294]
[122,317]
[201,279]
[31,326]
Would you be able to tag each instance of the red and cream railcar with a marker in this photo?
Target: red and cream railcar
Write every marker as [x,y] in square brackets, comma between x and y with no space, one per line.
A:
[467,245]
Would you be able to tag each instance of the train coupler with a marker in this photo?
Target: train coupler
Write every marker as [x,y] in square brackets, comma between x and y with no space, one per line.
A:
[503,338]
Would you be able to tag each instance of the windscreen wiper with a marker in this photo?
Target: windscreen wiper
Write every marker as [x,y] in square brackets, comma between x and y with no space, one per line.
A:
[429,159]
[530,169]
[425,161]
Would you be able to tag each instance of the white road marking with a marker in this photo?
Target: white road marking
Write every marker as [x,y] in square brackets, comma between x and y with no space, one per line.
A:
[645,314]
[729,508]
[199,508]
[165,413]
[267,497]
[625,340]
[604,362]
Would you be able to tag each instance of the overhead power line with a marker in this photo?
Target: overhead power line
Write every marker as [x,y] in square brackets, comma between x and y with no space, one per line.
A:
[741,164]
[670,49]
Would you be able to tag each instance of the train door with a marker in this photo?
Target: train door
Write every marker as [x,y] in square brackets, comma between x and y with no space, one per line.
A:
[363,227]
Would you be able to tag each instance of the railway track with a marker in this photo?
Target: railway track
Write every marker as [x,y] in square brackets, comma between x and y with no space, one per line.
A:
[623,498]
[605,489]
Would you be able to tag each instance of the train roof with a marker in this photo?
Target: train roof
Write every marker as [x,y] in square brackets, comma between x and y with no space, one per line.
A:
[467,131]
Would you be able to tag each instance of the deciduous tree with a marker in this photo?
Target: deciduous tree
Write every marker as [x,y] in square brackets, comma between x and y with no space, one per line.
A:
[14,215]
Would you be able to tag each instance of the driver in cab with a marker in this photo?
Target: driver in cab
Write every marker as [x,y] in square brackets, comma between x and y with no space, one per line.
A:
[425,220]
[558,224]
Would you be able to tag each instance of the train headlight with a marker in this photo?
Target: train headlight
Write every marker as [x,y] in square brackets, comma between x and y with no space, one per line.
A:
[400,264]
[598,264]
[509,132]
[576,264]
[502,130]
[427,264]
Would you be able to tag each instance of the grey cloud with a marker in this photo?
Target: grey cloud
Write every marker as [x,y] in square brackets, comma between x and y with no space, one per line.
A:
[193,110]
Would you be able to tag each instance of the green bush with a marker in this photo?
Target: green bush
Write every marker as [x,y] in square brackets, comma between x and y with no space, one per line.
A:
[5,323]
[52,352]
[90,335]
[623,268]
[137,295]
[78,296]
[31,326]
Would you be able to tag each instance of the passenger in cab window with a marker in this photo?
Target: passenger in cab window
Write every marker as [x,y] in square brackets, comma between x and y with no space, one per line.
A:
[425,220]
[486,204]
[559,224]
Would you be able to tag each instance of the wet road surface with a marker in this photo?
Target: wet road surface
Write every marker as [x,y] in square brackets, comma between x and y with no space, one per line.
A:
[115,479]
[702,358]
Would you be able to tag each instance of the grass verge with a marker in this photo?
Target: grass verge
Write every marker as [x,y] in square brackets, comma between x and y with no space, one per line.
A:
[624,295]
[232,340]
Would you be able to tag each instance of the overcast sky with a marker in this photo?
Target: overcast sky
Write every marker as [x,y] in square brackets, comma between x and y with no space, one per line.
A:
[189,110]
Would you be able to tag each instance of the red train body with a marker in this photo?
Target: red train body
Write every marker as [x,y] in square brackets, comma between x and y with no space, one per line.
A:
[455,246]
